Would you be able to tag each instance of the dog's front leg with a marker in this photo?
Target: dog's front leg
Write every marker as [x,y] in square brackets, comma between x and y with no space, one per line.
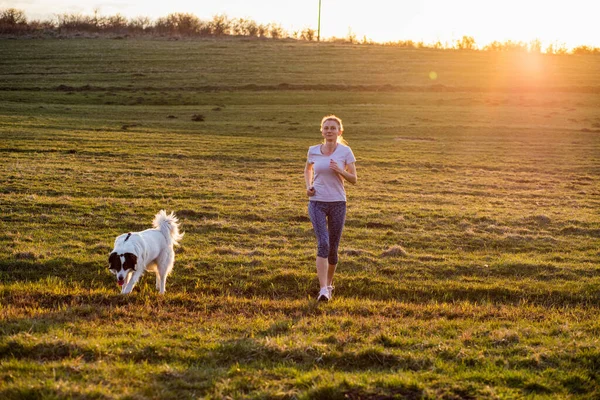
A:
[128,278]
[128,287]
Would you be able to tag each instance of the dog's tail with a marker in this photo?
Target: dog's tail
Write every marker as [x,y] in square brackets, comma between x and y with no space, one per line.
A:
[168,226]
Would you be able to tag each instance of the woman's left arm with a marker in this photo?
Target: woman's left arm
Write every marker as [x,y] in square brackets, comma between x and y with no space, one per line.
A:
[349,173]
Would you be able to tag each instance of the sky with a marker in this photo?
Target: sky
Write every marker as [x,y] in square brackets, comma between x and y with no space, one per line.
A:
[572,22]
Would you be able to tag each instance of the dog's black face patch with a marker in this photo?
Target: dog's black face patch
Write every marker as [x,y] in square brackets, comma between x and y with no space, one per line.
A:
[114,261]
[130,261]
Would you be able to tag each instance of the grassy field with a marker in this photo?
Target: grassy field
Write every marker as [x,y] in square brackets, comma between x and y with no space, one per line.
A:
[469,266]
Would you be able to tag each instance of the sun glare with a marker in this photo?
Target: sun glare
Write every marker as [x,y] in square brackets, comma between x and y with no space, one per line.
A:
[431,21]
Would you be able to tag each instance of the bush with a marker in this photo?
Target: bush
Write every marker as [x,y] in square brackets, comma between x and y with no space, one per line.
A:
[509,45]
[77,22]
[180,23]
[116,23]
[12,16]
[13,21]
[139,25]
[557,49]
[586,50]
[220,25]
[466,43]
[276,31]
[307,34]
[244,27]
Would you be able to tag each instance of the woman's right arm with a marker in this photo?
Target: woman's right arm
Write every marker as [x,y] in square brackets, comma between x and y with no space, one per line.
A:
[308,178]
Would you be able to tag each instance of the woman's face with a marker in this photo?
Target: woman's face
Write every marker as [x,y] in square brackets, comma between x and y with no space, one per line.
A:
[330,130]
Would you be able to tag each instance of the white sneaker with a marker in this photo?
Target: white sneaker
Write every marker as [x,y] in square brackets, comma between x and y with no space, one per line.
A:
[324,294]
[330,289]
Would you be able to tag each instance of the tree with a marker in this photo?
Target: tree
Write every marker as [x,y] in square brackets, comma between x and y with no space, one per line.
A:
[244,27]
[558,49]
[139,24]
[13,17]
[276,31]
[586,50]
[187,24]
[220,25]
[535,46]
[115,23]
[351,36]
[307,34]
[179,23]
[77,22]
[466,43]
[262,30]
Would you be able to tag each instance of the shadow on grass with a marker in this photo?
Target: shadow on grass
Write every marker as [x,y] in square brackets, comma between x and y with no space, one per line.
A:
[249,351]
[227,353]
[258,357]
[47,393]
[345,391]
[554,297]
[195,381]
[525,288]
[507,283]
[34,270]
[515,270]
[54,351]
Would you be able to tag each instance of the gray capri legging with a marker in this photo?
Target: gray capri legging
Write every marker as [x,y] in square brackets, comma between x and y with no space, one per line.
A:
[328,222]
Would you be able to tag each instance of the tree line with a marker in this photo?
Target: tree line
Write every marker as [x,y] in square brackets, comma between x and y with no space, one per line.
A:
[15,22]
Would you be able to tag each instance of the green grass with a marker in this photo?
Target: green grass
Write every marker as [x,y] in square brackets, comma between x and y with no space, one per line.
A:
[487,178]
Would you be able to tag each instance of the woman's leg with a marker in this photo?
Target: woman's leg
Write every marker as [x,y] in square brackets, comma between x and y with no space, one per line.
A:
[335,225]
[317,214]
[330,272]
[322,271]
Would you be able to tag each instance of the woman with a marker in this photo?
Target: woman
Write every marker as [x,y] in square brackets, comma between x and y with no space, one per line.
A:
[327,166]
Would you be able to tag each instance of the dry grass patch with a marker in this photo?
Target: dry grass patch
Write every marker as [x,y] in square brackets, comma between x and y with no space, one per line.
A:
[395,251]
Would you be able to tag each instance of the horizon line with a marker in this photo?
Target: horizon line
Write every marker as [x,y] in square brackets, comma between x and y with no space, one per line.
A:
[540,45]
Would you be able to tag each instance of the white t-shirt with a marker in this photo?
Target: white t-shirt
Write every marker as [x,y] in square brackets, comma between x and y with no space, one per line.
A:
[329,186]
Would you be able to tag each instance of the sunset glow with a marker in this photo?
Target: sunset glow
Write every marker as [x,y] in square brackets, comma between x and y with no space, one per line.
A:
[554,22]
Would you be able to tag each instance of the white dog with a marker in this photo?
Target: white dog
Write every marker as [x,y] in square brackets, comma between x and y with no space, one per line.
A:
[152,250]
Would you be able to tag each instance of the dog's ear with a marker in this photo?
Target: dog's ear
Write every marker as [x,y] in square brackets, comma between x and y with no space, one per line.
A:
[114,262]
[130,261]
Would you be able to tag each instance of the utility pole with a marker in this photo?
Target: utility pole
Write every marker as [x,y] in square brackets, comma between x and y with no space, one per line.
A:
[319,25]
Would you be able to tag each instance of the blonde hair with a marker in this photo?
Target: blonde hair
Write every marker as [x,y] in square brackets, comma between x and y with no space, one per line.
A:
[332,117]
